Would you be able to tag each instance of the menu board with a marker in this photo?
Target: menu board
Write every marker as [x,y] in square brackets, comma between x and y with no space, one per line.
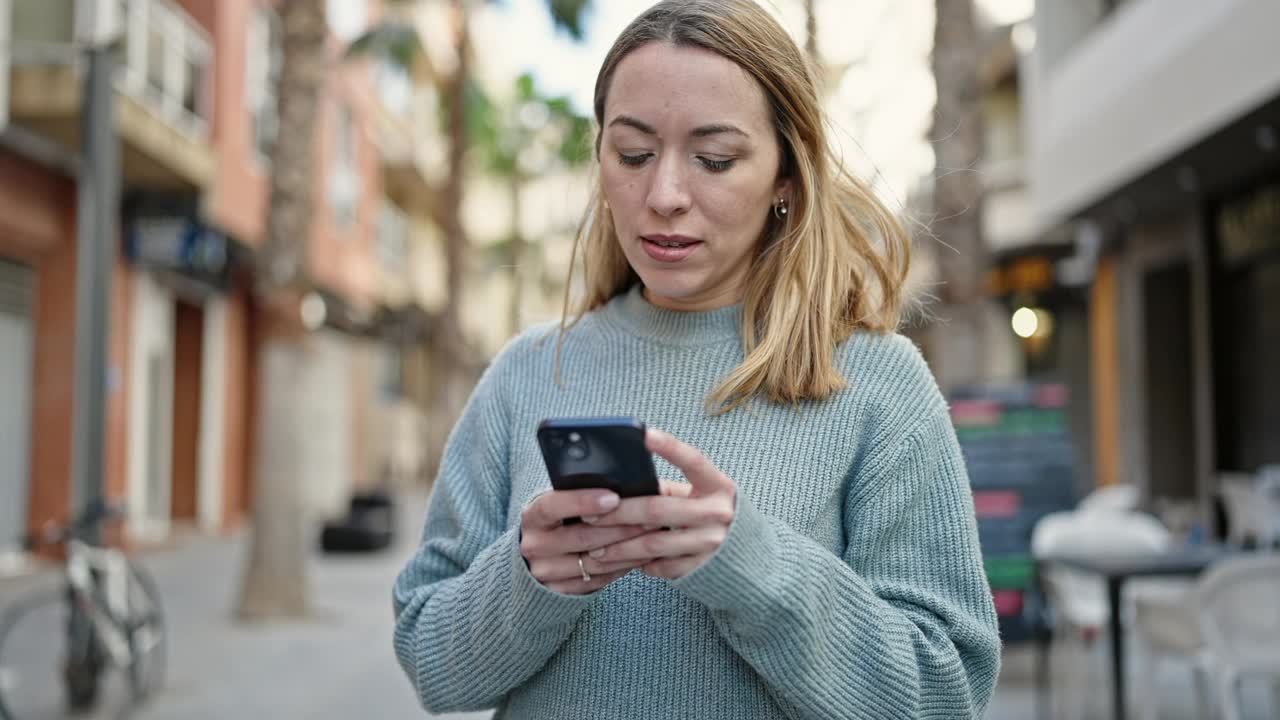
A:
[1021,462]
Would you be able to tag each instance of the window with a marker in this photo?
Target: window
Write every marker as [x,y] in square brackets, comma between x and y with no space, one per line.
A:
[393,237]
[344,181]
[262,76]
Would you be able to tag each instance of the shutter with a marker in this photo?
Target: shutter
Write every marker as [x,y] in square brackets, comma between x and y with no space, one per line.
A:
[15,289]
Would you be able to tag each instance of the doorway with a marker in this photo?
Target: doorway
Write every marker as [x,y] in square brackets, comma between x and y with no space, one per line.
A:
[1170,409]
[188,363]
[16,348]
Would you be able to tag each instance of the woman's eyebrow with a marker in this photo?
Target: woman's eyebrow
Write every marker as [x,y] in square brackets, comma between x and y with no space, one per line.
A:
[716,129]
[633,123]
[701,131]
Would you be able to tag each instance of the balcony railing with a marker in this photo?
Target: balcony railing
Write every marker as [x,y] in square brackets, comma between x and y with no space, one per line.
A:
[165,58]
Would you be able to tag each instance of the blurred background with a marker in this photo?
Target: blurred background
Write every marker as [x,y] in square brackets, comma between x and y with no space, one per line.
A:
[254,254]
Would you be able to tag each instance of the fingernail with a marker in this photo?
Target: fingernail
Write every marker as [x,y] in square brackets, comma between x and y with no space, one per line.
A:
[598,552]
[607,502]
[651,528]
[591,519]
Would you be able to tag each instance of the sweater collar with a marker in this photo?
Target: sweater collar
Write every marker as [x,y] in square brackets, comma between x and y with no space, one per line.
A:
[635,314]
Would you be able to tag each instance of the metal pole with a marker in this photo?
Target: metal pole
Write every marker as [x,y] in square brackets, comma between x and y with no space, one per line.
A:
[96,231]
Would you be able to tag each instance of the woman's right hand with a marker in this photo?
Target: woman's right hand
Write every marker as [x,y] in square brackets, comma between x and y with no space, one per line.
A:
[552,549]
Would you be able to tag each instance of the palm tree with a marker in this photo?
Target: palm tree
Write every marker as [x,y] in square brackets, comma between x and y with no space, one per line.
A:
[811,31]
[533,134]
[396,39]
[275,580]
[957,135]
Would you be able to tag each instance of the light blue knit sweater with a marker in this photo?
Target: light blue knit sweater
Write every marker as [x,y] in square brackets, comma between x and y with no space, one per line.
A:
[850,584]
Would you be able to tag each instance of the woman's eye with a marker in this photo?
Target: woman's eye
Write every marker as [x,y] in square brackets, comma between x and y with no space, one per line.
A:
[633,160]
[714,165]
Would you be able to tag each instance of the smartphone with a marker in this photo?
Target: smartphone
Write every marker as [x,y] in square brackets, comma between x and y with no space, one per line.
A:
[598,452]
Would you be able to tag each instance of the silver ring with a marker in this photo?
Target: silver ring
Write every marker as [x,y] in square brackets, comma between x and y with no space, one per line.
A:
[586,576]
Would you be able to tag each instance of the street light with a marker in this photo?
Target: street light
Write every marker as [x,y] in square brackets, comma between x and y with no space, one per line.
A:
[1025,323]
[1031,323]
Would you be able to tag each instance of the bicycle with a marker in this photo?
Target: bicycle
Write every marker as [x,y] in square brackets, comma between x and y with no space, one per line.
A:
[113,621]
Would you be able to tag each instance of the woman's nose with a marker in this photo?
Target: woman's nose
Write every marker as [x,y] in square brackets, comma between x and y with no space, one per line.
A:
[668,191]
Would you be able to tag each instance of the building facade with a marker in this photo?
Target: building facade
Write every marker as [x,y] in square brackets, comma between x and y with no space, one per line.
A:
[195,115]
[1154,136]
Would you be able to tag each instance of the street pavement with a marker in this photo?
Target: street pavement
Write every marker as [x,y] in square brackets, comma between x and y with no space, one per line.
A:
[338,664]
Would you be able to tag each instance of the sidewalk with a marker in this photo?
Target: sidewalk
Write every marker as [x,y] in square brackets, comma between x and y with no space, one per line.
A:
[339,664]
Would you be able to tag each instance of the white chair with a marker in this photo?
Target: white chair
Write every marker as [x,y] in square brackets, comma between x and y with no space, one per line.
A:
[1114,497]
[1245,520]
[1267,509]
[1078,598]
[1166,627]
[1236,602]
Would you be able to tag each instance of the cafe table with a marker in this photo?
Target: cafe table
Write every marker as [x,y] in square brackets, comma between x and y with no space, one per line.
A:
[1115,571]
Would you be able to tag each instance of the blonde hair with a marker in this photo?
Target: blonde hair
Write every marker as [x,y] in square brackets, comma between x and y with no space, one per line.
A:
[835,263]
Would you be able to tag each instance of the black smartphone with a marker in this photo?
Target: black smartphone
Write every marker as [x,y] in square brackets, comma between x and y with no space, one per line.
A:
[598,452]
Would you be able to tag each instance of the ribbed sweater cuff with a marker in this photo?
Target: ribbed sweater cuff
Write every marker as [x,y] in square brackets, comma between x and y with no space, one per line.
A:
[732,578]
[535,607]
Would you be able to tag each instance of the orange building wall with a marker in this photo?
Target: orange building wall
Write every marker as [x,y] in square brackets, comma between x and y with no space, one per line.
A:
[343,258]
[237,201]
[37,227]
[114,478]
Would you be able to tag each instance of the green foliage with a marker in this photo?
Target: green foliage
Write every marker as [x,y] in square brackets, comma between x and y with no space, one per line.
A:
[568,14]
[392,40]
[495,133]
[576,147]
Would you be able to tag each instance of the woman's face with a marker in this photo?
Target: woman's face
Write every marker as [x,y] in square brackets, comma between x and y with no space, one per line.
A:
[689,167]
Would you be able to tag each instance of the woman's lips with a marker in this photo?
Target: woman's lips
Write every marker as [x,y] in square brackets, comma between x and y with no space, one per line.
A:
[668,248]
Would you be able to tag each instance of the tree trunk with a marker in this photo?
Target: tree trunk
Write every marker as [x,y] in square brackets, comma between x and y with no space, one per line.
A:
[517,257]
[958,342]
[450,359]
[275,581]
[811,33]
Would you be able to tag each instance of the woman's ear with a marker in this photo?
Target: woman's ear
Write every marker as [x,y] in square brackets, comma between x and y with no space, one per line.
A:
[782,190]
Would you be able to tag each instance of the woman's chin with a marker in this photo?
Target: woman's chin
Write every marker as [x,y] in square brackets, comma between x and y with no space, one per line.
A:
[665,291]
[684,296]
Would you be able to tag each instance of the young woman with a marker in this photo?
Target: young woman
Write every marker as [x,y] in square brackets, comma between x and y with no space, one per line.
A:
[814,552]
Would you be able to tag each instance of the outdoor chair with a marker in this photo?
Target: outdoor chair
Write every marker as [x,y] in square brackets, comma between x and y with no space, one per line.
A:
[1236,602]
[1166,627]
[1246,521]
[1267,496]
[1078,599]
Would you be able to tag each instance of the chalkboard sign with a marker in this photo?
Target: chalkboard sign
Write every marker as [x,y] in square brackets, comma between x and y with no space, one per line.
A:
[1021,462]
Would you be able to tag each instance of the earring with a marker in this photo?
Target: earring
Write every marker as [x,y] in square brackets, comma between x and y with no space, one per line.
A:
[780,210]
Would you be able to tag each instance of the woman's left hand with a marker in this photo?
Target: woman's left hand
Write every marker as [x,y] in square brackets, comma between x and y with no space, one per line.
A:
[694,519]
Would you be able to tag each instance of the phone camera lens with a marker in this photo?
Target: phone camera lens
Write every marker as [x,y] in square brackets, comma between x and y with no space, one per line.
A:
[575,437]
[577,451]
[556,440]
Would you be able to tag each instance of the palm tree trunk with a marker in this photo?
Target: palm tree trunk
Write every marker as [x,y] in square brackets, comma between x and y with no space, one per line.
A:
[450,360]
[811,31]
[275,584]
[517,257]
[957,134]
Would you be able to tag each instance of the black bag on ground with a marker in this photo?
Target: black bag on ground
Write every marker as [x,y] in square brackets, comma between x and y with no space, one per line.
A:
[368,526]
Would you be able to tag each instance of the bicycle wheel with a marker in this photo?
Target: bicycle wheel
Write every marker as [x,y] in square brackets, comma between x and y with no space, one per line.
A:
[147,635]
[31,656]
[83,666]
